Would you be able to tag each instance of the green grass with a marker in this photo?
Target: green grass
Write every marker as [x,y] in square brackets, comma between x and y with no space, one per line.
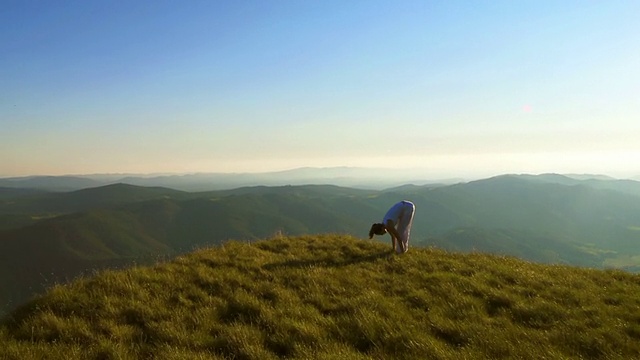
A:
[332,297]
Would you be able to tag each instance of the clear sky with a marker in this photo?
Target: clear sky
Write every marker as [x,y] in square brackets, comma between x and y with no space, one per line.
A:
[455,88]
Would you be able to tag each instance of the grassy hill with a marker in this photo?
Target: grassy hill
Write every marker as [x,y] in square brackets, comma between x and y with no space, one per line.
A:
[49,237]
[332,296]
[60,248]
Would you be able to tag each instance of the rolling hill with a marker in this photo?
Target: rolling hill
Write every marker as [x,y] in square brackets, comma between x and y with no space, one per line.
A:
[85,199]
[50,237]
[49,183]
[332,296]
[20,207]
[117,232]
[628,186]
[575,213]
[367,178]
[523,244]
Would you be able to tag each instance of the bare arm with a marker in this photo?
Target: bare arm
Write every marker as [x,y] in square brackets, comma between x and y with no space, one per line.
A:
[391,229]
[395,237]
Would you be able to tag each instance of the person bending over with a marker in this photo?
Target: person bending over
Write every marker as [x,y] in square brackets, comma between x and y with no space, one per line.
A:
[397,222]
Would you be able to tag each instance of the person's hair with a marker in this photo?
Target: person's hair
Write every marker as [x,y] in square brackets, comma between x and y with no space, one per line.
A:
[377,229]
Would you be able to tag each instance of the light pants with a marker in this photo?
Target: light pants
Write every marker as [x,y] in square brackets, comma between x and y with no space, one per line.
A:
[404,226]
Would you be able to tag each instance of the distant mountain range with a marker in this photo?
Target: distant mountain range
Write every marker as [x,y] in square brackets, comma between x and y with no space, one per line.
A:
[48,236]
[367,178]
[364,178]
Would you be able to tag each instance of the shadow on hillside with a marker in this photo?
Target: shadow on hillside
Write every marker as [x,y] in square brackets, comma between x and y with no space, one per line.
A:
[329,262]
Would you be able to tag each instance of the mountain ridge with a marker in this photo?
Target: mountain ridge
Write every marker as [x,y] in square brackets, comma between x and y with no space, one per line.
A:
[358,177]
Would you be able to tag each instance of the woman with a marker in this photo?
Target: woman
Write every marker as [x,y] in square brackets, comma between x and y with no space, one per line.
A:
[397,222]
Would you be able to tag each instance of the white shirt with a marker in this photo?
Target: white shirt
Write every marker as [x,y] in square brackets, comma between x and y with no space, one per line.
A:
[396,211]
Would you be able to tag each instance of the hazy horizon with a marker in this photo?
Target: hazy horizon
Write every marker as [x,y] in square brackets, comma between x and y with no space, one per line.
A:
[455,89]
[341,173]
[415,173]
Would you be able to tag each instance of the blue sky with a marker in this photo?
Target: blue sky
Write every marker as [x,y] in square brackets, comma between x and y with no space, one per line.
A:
[452,88]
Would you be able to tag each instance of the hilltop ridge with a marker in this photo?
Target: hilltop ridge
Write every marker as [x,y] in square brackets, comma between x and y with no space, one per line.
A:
[332,296]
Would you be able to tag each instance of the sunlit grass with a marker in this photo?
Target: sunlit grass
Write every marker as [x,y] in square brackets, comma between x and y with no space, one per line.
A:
[336,297]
